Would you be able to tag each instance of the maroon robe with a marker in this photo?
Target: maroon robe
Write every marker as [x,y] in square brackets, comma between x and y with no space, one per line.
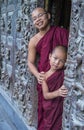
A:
[53,108]
[55,36]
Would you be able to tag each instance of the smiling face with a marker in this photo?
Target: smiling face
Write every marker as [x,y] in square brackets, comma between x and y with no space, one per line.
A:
[57,59]
[40,18]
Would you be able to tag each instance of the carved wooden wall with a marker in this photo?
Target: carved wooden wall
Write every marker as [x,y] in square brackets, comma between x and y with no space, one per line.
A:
[15,31]
[73,115]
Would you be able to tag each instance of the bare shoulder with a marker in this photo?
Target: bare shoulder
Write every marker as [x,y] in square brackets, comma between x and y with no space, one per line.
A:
[34,40]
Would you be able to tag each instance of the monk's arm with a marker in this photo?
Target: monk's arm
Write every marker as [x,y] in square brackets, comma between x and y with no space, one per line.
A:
[62,91]
[31,62]
[48,95]
[32,58]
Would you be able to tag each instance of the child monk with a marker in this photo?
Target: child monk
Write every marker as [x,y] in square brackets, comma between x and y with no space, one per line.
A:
[54,91]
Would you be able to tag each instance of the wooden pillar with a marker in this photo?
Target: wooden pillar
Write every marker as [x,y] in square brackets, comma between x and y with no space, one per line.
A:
[73,115]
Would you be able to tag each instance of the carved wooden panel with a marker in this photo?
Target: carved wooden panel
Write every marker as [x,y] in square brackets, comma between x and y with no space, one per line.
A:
[16,30]
[73,115]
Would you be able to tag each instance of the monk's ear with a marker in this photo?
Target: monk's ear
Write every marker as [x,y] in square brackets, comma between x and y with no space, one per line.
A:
[49,16]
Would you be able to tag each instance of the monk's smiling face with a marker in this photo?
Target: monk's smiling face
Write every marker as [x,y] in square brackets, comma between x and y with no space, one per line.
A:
[40,18]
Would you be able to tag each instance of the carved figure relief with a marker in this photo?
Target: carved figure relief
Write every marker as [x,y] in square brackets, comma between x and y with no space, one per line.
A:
[9,25]
[18,24]
[2,24]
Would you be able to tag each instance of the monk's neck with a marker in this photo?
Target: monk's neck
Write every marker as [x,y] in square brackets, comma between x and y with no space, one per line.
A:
[50,72]
[44,31]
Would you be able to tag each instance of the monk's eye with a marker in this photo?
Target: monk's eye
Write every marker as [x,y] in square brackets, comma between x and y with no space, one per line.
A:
[34,18]
[40,15]
[62,61]
[55,58]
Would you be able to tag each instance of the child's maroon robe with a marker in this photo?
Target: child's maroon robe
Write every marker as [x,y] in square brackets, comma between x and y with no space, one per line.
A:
[55,36]
[53,108]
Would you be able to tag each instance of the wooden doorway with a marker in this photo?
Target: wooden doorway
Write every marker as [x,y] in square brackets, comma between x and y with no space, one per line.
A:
[60,11]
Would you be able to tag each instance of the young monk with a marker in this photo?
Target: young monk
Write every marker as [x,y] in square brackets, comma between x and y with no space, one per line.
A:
[42,43]
[54,91]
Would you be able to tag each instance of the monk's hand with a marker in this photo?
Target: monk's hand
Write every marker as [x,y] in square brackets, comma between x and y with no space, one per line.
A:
[63,91]
[41,76]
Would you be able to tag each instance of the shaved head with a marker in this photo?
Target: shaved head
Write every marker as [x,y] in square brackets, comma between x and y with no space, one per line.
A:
[39,9]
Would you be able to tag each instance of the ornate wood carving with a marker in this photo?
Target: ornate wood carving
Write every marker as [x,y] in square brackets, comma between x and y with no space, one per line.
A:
[73,115]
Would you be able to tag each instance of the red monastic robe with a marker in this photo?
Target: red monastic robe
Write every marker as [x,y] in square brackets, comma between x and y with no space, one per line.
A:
[55,36]
[53,108]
